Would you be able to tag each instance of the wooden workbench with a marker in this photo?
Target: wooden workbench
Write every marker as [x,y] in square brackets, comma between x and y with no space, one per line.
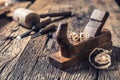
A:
[27,59]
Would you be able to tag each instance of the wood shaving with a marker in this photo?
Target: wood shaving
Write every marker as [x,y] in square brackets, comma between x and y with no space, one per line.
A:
[78,37]
[100,58]
[74,37]
[84,37]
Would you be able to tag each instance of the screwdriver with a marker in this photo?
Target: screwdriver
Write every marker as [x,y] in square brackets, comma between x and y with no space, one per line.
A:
[45,30]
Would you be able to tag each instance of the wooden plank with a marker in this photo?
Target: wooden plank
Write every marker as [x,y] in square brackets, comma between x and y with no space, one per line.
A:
[10,50]
[32,63]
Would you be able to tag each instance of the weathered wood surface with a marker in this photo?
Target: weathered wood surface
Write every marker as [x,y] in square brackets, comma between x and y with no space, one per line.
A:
[28,59]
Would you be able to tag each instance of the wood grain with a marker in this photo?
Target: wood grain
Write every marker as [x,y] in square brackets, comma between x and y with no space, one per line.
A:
[21,60]
[10,50]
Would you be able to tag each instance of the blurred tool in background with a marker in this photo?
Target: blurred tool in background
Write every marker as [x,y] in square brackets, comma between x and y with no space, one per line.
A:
[31,20]
[10,2]
[6,6]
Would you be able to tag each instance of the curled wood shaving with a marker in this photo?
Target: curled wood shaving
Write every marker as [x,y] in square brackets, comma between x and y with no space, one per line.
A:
[100,60]
[74,37]
[84,37]
[78,37]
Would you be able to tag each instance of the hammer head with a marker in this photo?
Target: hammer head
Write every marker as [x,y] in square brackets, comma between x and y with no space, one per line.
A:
[25,17]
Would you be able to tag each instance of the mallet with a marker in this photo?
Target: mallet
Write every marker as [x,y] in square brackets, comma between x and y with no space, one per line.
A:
[29,19]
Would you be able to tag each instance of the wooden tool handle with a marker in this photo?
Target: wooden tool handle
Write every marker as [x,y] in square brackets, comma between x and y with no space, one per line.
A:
[48,28]
[66,47]
[66,13]
[44,30]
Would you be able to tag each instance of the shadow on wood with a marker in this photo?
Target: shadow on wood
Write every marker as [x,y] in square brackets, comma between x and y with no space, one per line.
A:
[118,2]
[4,21]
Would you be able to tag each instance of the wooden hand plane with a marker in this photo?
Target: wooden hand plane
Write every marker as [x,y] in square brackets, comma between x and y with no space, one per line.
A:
[70,53]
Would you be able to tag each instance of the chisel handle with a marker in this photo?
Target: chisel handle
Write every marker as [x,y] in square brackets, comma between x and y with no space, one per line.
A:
[44,30]
[66,13]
